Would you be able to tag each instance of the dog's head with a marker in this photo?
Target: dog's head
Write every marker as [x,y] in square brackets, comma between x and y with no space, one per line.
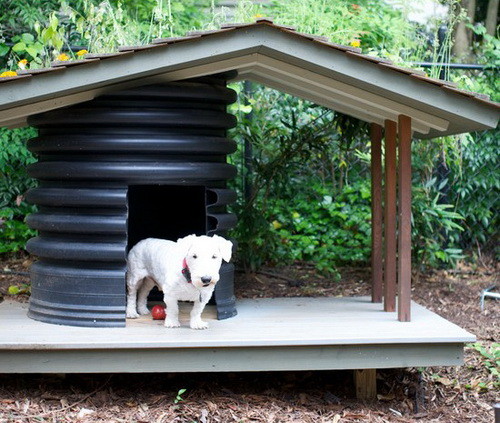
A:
[204,255]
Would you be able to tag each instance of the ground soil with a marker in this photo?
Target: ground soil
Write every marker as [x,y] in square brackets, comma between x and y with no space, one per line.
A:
[454,394]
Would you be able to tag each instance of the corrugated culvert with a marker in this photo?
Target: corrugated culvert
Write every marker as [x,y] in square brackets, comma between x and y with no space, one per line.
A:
[138,163]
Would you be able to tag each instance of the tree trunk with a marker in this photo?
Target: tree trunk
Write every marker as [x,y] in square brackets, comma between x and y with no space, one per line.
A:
[463,35]
[492,17]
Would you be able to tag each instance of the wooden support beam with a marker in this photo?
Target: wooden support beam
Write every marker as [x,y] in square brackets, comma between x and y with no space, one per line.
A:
[377,222]
[365,382]
[390,239]
[404,233]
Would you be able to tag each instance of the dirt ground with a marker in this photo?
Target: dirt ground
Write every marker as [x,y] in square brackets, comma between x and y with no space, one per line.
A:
[454,394]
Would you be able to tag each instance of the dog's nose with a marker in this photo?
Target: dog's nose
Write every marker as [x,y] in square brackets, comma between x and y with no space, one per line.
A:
[206,280]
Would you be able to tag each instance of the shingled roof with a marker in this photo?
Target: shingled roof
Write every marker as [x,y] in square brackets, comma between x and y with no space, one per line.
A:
[308,66]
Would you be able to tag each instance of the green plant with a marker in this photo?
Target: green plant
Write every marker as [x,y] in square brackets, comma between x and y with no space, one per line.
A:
[19,289]
[487,51]
[376,27]
[323,229]
[13,230]
[40,34]
[311,194]
[435,231]
[491,361]
[14,182]
[104,27]
[283,140]
[178,398]
[476,189]
[14,158]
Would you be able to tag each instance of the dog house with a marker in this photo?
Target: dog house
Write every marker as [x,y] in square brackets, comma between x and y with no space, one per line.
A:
[133,144]
[134,164]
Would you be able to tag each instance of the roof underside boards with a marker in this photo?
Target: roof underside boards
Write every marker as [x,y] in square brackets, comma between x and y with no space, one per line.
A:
[334,77]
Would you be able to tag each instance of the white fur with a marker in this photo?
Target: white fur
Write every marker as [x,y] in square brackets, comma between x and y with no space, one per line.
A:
[159,262]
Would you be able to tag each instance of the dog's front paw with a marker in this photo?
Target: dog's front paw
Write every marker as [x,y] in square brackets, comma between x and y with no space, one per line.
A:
[198,324]
[132,314]
[143,311]
[169,323]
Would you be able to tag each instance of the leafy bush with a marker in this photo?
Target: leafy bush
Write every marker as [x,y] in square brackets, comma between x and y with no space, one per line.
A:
[13,230]
[476,190]
[373,26]
[14,182]
[316,227]
[435,231]
[296,146]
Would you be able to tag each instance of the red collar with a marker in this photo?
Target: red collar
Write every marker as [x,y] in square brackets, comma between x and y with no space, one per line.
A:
[185,271]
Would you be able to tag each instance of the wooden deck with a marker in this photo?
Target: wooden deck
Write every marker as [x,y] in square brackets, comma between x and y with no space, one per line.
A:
[267,334]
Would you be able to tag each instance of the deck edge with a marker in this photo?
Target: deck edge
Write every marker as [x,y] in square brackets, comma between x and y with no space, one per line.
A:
[333,357]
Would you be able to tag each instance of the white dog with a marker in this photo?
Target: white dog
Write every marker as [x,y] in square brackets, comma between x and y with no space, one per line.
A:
[186,270]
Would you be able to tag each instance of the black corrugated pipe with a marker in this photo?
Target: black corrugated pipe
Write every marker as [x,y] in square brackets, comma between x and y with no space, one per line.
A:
[139,163]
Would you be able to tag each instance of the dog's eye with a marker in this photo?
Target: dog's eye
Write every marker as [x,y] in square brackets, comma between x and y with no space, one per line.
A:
[214,256]
[195,256]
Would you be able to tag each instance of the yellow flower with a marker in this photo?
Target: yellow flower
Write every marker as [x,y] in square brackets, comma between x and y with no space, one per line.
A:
[81,53]
[6,74]
[276,224]
[258,15]
[355,43]
[22,63]
[62,57]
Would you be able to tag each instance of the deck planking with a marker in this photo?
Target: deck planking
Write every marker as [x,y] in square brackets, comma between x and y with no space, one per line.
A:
[267,334]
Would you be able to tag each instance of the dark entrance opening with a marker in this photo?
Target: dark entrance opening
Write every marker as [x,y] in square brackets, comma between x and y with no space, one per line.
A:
[165,211]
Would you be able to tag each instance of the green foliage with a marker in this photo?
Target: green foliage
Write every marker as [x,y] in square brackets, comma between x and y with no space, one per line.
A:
[38,47]
[14,182]
[178,398]
[19,16]
[103,27]
[376,27]
[316,227]
[303,208]
[19,289]
[14,157]
[435,231]
[98,26]
[311,196]
[491,361]
[477,189]
[13,230]
[487,53]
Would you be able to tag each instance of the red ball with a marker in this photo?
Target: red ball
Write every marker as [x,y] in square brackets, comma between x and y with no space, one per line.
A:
[158,312]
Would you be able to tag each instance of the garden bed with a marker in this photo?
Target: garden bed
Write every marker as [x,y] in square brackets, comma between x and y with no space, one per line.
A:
[434,394]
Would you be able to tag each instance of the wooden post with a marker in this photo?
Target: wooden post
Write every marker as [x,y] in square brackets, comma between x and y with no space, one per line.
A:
[404,233]
[365,382]
[377,222]
[390,217]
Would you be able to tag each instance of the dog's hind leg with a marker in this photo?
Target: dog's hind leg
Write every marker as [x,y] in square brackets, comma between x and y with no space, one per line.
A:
[131,303]
[133,283]
[142,296]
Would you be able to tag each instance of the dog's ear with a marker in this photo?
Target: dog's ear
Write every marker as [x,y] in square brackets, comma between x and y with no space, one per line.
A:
[185,243]
[225,247]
